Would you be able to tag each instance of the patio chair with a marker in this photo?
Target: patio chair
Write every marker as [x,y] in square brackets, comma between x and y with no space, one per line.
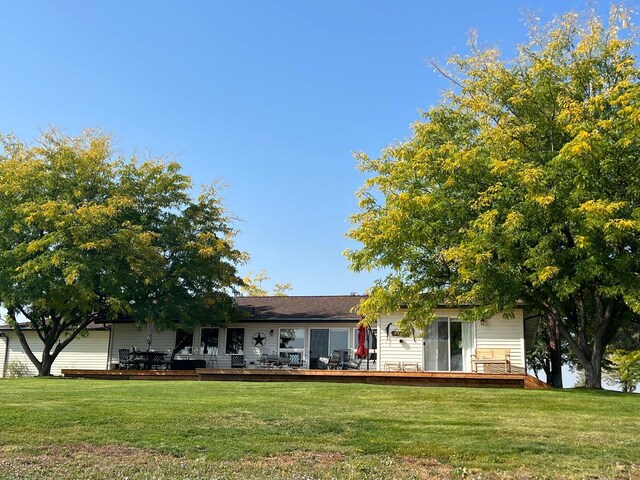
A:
[323,363]
[335,361]
[392,366]
[126,360]
[352,364]
[263,361]
[237,360]
[295,360]
[410,367]
[160,363]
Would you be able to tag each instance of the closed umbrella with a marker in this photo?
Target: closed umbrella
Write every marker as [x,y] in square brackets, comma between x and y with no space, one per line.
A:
[362,351]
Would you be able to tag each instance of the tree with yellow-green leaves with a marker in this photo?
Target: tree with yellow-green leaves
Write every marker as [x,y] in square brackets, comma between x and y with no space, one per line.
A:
[252,286]
[87,235]
[625,369]
[521,187]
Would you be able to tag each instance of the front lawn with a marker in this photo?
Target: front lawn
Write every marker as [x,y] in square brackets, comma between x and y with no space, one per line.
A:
[61,428]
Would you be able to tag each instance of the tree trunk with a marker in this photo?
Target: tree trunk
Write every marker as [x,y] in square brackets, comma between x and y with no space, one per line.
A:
[593,378]
[44,369]
[605,313]
[43,366]
[590,353]
[593,370]
[554,377]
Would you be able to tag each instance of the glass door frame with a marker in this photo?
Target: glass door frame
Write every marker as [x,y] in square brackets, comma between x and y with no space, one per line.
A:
[329,347]
[449,320]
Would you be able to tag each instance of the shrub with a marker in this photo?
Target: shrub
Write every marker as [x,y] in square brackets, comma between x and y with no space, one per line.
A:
[17,369]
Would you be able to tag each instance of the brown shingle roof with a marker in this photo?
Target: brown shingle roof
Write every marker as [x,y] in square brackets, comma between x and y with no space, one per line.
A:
[337,307]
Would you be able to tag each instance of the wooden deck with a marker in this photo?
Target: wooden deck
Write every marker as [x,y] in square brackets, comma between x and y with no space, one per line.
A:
[422,379]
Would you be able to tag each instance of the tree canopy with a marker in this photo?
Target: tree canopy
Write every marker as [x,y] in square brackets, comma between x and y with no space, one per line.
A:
[252,286]
[522,186]
[88,235]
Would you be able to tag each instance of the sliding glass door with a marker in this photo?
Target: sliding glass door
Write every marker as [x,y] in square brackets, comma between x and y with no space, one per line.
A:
[447,345]
[323,341]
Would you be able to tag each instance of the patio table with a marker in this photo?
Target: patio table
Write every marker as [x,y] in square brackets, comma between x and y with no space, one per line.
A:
[149,358]
[271,361]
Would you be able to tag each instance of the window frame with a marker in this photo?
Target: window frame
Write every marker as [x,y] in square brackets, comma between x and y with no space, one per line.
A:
[228,344]
[470,334]
[188,348]
[287,350]
[216,347]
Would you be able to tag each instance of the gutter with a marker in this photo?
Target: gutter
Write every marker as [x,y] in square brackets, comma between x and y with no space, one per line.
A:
[6,354]
[110,344]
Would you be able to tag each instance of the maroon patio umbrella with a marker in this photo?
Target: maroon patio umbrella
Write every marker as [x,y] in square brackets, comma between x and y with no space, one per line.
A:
[362,350]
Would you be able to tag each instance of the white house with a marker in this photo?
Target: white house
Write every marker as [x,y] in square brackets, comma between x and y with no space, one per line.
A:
[309,326]
[88,352]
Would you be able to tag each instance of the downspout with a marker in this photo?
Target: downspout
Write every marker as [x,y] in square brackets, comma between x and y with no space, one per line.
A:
[110,344]
[6,354]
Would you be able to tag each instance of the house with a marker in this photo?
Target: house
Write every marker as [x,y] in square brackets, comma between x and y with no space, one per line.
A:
[88,351]
[310,327]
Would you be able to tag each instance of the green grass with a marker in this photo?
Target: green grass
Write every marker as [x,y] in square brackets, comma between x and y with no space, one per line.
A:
[99,429]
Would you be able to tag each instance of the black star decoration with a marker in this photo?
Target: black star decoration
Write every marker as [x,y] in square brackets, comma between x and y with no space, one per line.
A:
[258,339]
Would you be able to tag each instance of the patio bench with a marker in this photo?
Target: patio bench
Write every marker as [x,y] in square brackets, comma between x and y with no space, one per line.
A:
[491,356]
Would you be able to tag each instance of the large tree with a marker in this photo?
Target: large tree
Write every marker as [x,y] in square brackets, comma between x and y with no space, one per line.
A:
[521,186]
[87,235]
[548,353]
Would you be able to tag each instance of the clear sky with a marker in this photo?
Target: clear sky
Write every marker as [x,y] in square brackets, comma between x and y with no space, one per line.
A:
[270,96]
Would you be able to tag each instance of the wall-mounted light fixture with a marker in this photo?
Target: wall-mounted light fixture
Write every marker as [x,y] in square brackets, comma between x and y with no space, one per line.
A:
[482,322]
[271,332]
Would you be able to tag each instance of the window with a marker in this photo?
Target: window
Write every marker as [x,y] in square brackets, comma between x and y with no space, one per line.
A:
[292,344]
[292,339]
[184,343]
[209,341]
[235,341]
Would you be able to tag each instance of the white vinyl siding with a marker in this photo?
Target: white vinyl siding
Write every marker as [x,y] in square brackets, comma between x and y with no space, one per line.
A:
[393,349]
[89,352]
[127,335]
[498,332]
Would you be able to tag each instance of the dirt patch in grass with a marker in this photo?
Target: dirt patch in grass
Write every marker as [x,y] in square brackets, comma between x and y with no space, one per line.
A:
[91,462]
[85,461]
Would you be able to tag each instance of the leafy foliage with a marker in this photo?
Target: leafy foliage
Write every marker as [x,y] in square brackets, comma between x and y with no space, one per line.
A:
[625,370]
[522,185]
[87,235]
[252,286]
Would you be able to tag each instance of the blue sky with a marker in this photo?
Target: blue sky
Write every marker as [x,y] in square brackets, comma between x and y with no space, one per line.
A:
[271,97]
